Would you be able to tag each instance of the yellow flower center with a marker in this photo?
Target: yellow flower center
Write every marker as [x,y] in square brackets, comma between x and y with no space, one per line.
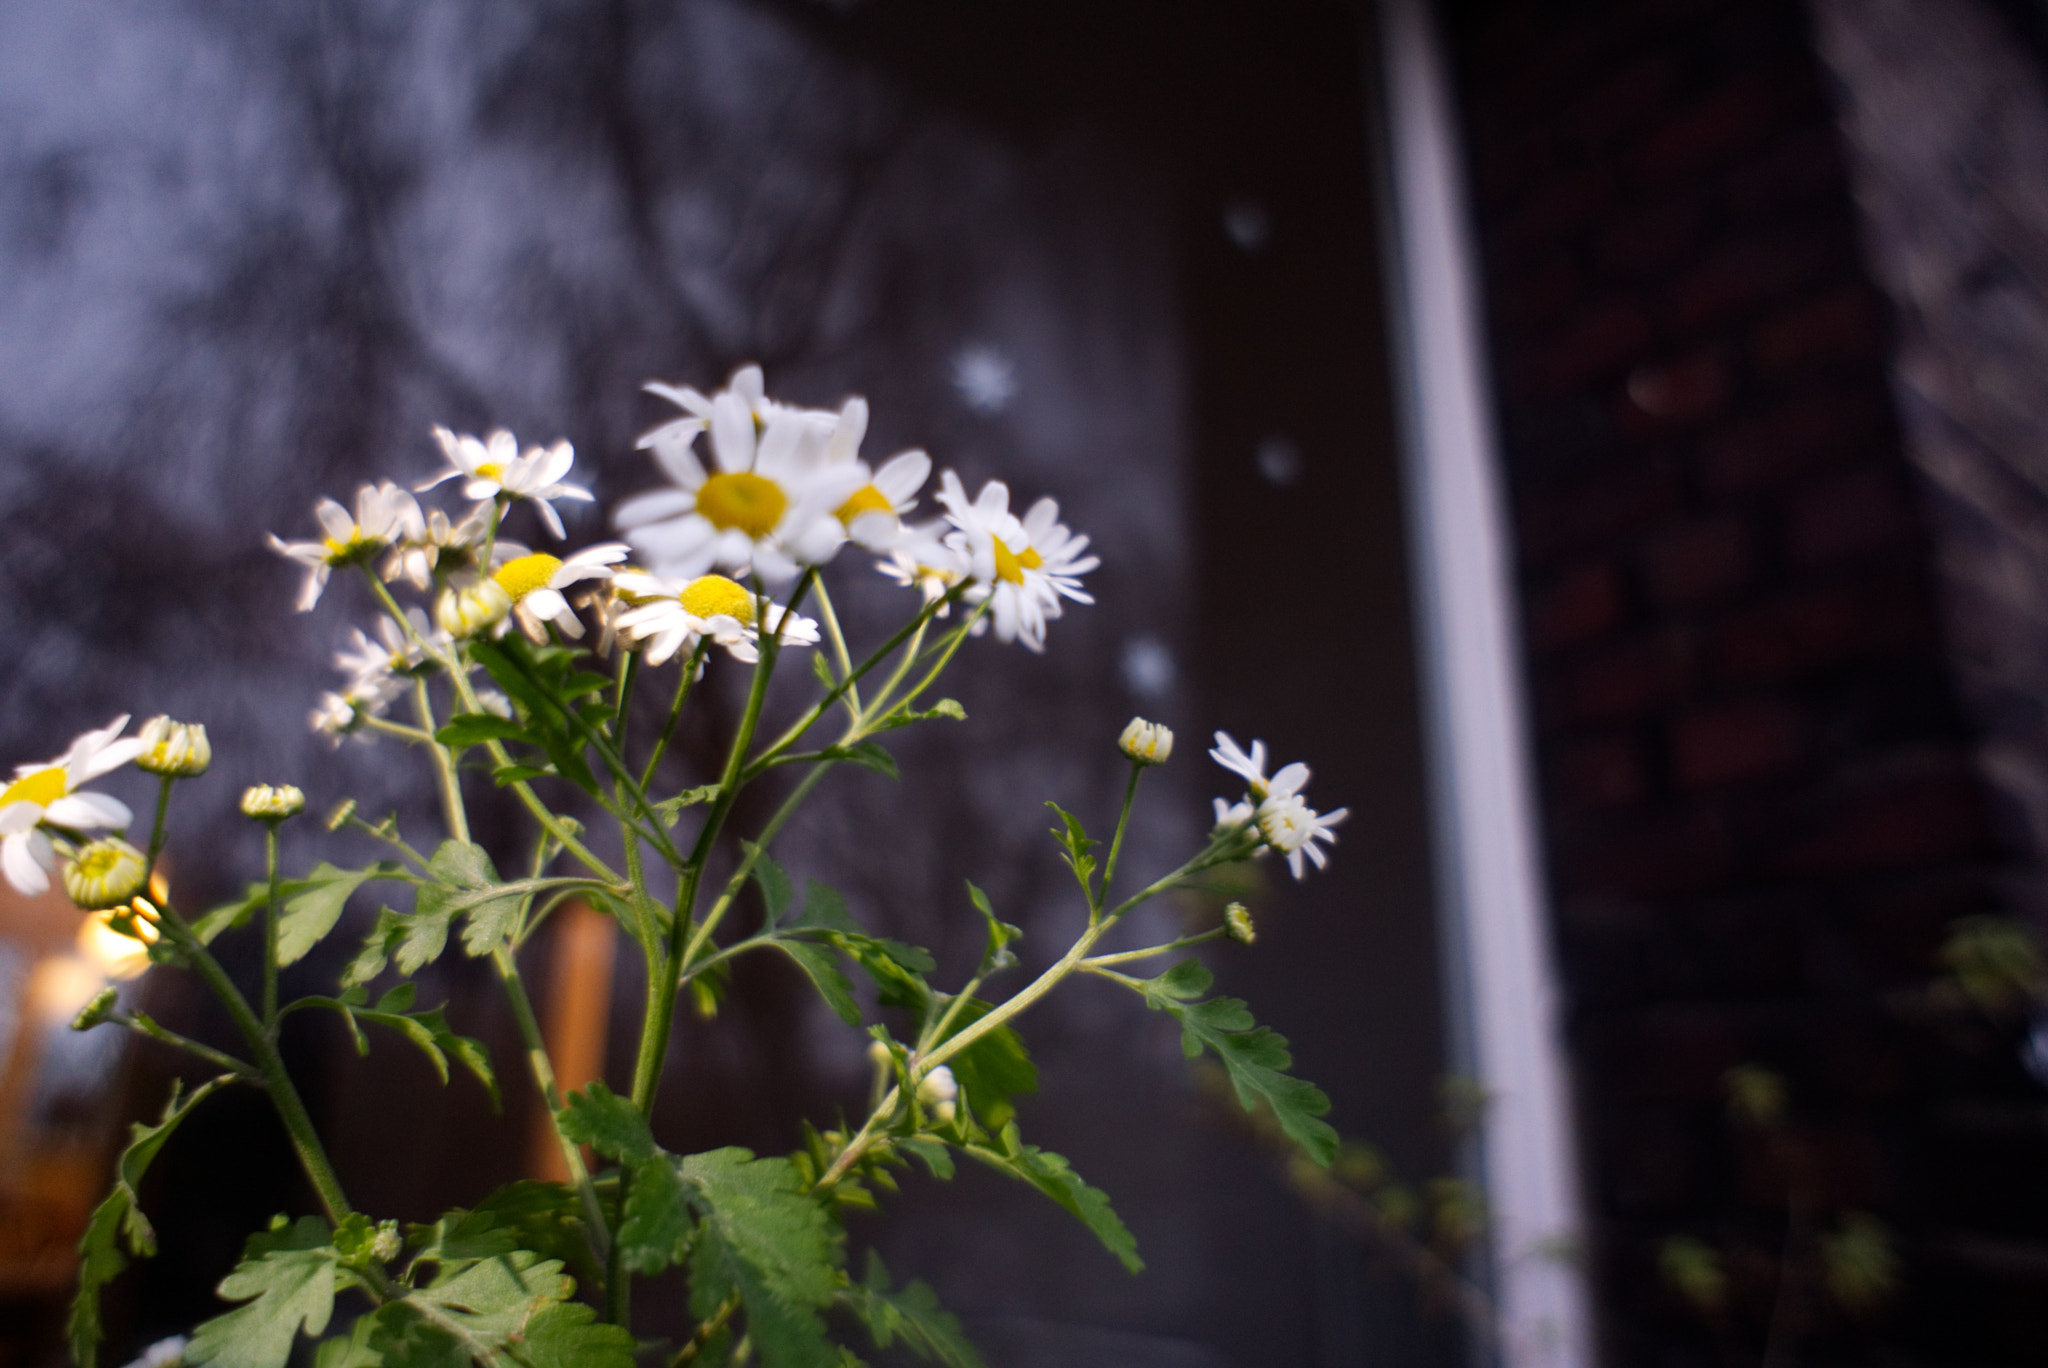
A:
[752,503]
[1011,566]
[524,574]
[491,470]
[710,595]
[42,788]
[866,499]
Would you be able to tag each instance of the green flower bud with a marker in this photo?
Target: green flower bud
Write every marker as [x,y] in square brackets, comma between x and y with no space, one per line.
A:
[175,750]
[1238,923]
[272,802]
[97,1010]
[104,873]
[473,608]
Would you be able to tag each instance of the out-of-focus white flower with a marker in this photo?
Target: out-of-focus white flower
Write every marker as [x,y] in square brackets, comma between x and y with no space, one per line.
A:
[1285,821]
[534,583]
[940,1091]
[494,467]
[395,651]
[272,802]
[437,545]
[163,1354]
[1025,566]
[873,514]
[669,617]
[51,793]
[921,558]
[768,501]
[985,378]
[1148,743]
[177,750]
[384,513]
[332,716]
[104,873]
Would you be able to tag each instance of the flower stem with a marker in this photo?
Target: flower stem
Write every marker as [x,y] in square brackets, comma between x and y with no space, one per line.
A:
[1123,819]
[276,1081]
[270,927]
[544,1077]
[675,711]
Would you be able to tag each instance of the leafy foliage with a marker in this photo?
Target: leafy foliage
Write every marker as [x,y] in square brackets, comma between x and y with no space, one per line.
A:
[463,882]
[118,1220]
[1255,1056]
[912,1315]
[1052,1175]
[429,1030]
[287,1277]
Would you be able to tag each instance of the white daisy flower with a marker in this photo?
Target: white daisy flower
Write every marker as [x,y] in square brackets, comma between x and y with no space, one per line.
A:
[669,617]
[1285,821]
[333,716]
[384,513]
[1024,565]
[51,794]
[873,514]
[437,545]
[396,651]
[921,558]
[768,501]
[533,584]
[493,467]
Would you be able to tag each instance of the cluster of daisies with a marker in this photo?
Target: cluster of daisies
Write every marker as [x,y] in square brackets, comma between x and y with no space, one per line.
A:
[771,491]
[759,491]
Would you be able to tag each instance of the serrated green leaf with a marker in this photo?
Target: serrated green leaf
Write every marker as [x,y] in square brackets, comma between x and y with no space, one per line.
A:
[934,1153]
[823,910]
[494,1299]
[526,675]
[768,1239]
[287,1281]
[351,1350]
[568,1335]
[1255,1056]
[832,985]
[581,683]
[912,1315]
[306,917]
[608,1123]
[464,878]
[428,1030]
[671,809]
[471,729]
[656,1228]
[118,1219]
[239,912]
[1055,1177]
[776,889]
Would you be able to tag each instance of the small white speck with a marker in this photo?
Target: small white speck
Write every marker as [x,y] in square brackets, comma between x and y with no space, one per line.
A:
[1247,224]
[1148,667]
[1279,461]
[985,378]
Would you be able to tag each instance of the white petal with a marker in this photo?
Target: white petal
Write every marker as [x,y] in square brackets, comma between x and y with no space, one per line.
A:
[89,810]
[27,876]
[847,434]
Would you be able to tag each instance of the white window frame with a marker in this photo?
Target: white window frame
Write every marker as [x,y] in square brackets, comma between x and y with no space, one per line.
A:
[1502,991]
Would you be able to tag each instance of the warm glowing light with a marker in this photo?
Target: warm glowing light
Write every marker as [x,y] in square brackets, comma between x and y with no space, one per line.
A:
[61,986]
[117,955]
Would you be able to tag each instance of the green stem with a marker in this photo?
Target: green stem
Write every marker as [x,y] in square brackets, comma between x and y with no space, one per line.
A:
[270,927]
[276,1081]
[832,695]
[528,799]
[675,710]
[1123,819]
[544,1077]
[145,1025]
[444,767]
[662,991]
[1126,956]
[838,640]
[156,832]
[740,873]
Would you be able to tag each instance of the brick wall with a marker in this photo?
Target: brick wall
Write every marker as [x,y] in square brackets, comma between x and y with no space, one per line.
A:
[1761,790]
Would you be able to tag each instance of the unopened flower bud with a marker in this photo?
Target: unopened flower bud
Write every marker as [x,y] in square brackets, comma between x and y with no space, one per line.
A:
[272,802]
[175,750]
[473,608]
[940,1091]
[1148,743]
[343,810]
[104,873]
[96,1011]
[387,1245]
[1237,923]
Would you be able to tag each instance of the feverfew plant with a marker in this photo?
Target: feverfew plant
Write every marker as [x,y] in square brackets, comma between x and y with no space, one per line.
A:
[518,668]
